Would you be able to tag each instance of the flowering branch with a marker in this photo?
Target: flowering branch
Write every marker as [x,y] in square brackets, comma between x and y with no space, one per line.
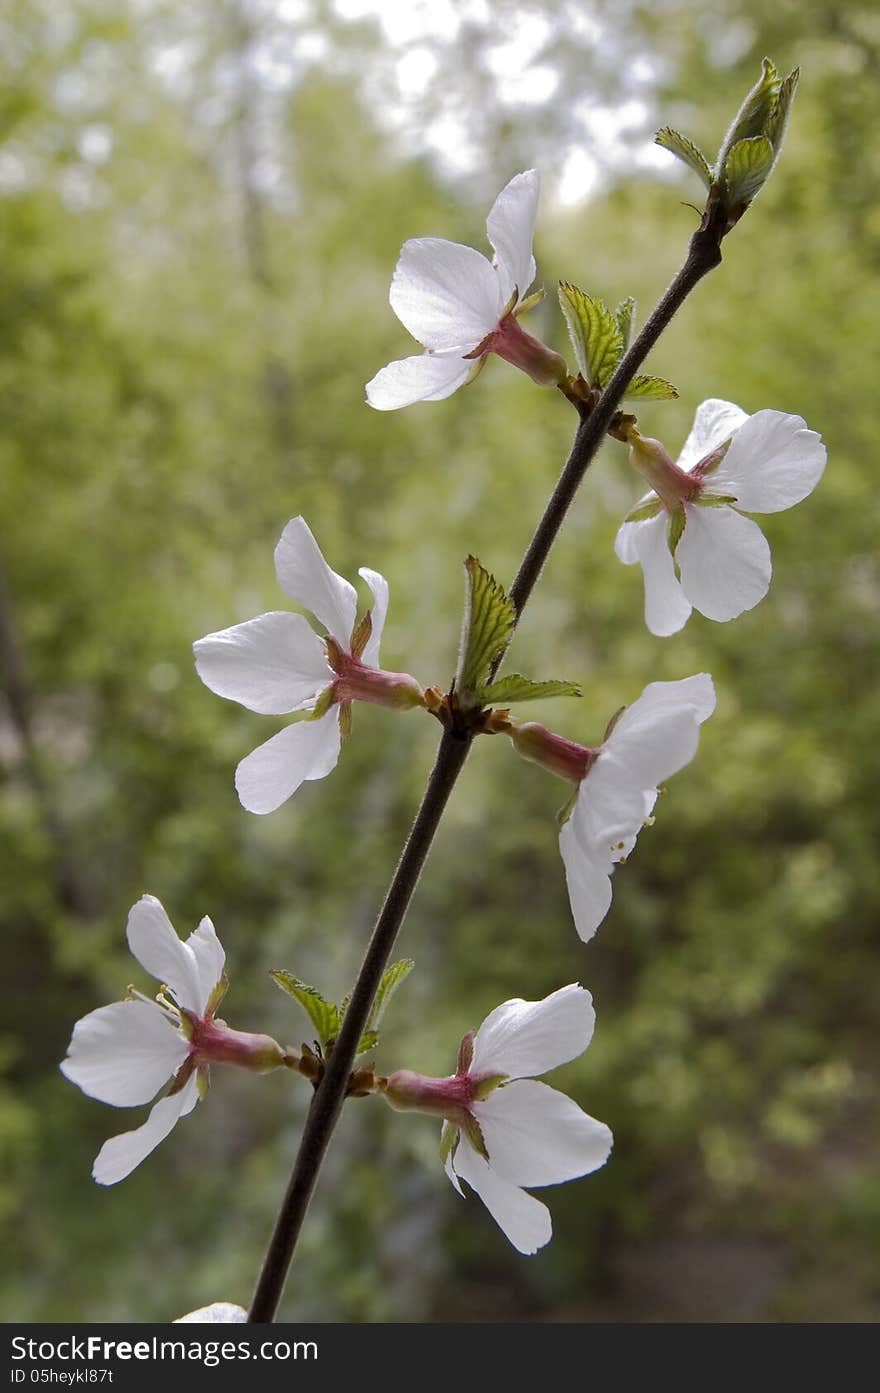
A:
[704,254]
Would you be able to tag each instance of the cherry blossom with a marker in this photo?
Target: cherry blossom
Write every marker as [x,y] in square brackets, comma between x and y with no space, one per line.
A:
[124,1053]
[461,307]
[503,1129]
[276,664]
[696,548]
[218,1313]
[617,783]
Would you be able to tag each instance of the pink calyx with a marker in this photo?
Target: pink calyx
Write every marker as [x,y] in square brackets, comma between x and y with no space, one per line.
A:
[357,681]
[214,1042]
[673,485]
[512,343]
[552,752]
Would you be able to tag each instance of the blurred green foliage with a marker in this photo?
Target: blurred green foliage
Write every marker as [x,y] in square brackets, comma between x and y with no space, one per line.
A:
[182,356]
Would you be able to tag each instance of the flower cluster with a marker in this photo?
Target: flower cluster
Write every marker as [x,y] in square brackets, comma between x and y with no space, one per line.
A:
[504,1131]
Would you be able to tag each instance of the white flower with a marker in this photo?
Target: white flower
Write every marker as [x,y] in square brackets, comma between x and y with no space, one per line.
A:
[124,1053]
[503,1129]
[277,664]
[616,783]
[731,463]
[652,740]
[461,306]
[219,1313]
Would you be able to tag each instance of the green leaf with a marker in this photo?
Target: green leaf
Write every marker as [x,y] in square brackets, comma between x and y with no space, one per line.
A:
[487,626]
[323,1014]
[368,1041]
[778,120]
[391,980]
[594,332]
[754,115]
[685,150]
[517,688]
[625,314]
[747,167]
[646,388]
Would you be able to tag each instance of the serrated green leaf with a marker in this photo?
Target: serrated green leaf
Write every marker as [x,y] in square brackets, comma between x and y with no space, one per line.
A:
[746,169]
[686,151]
[754,114]
[647,388]
[643,511]
[594,332]
[391,980]
[778,120]
[323,1014]
[488,623]
[368,1041]
[625,314]
[517,688]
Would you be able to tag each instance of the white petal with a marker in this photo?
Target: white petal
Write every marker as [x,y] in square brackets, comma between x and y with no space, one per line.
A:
[511,229]
[120,1155]
[271,664]
[666,609]
[589,884]
[156,946]
[525,1038]
[305,576]
[715,422]
[724,562]
[219,1313]
[773,462]
[447,296]
[379,586]
[657,735]
[427,377]
[308,750]
[535,1135]
[523,1220]
[123,1054]
[210,958]
[610,812]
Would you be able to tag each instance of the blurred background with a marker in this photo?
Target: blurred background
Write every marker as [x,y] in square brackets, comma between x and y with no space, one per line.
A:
[200,209]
